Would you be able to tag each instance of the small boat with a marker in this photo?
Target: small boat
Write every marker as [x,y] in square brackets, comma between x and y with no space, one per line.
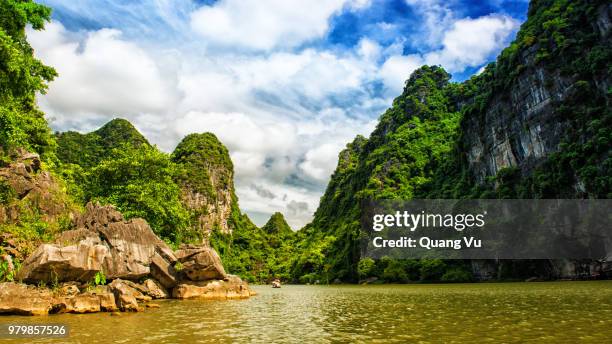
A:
[276,283]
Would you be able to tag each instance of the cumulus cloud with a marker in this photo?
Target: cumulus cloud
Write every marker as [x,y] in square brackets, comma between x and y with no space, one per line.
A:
[396,69]
[101,75]
[436,18]
[471,42]
[466,43]
[265,24]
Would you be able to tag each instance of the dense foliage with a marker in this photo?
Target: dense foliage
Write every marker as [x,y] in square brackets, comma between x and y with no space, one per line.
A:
[402,154]
[87,150]
[199,154]
[116,165]
[22,124]
[418,149]
[256,254]
[25,220]
[139,182]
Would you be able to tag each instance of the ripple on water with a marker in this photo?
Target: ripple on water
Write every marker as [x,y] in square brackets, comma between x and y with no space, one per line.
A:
[558,312]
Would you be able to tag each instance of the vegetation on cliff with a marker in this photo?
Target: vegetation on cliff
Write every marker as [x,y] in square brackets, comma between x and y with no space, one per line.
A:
[33,204]
[420,146]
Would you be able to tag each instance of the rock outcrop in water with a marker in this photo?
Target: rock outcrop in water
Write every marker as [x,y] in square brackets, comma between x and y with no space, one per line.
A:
[103,241]
[124,251]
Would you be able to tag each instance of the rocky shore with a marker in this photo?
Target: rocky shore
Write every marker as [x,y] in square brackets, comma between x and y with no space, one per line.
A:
[109,264]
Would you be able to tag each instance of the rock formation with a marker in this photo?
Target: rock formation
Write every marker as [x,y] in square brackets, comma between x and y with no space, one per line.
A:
[200,263]
[207,184]
[232,288]
[124,252]
[29,190]
[103,241]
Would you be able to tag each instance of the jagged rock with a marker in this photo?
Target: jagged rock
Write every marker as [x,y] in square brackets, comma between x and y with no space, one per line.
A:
[132,244]
[155,289]
[104,242]
[232,288]
[125,296]
[69,289]
[83,303]
[22,299]
[53,263]
[163,271]
[200,263]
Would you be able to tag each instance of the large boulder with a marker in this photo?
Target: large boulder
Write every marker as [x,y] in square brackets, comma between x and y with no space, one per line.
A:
[231,288]
[54,263]
[22,299]
[127,295]
[103,241]
[154,289]
[200,263]
[83,303]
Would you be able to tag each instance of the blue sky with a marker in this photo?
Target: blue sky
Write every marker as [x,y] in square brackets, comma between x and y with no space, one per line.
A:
[285,84]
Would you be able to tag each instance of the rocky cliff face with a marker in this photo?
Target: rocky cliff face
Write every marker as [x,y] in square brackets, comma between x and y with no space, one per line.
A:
[522,125]
[32,200]
[206,180]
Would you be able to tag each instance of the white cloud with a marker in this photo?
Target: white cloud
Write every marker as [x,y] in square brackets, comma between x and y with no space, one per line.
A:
[321,161]
[397,69]
[471,42]
[265,24]
[436,19]
[100,74]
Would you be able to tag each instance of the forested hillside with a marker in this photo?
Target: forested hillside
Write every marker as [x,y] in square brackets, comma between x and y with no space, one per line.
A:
[535,124]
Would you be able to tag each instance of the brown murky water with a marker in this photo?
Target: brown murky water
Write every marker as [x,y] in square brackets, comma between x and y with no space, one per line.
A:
[557,312]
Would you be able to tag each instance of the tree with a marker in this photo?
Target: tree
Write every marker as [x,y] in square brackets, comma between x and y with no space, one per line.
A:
[139,181]
[365,267]
[22,124]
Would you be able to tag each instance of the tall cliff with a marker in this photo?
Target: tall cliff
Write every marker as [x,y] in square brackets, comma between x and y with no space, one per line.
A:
[206,180]
[535,124]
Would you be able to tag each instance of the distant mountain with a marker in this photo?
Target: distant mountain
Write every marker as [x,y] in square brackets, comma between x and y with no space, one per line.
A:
[277,225]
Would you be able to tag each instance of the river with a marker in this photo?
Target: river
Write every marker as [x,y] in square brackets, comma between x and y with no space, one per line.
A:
[552,312]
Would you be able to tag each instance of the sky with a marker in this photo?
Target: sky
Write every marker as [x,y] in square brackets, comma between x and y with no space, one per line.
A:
[284,84]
